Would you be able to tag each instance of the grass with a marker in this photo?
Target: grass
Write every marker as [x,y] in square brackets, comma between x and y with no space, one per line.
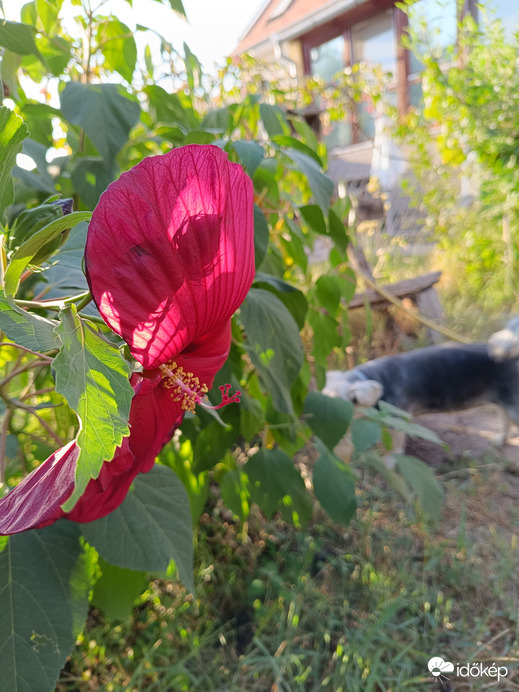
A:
[357,609]
[473,300]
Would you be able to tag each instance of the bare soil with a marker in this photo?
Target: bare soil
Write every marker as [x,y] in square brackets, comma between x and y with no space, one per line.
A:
[469,434]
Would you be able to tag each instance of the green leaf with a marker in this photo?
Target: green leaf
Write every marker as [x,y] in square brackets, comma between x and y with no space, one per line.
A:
[329,418]
[295,243]
[314,217]
[148,61]
[42,597]
[93,377]
[261,236]
[397,419]
[118,47]
[18,38]
[9,67]
[326,335]
[377,463]
[274,344]
[320,185]
[104,111]
[286,141]
[273,120]
[212,443]
[48,11]
[38,118]
[29,222]
[116,590]
[150,528]
[364,434]
[193,69]
[276,485]
[328,293]
[305,132]
[168,108]
[66,273]
[291,297]
[56,52]
[25,253]
[12,133]
[234,493]
[176,6]
[338,232]
[334,486]
[199,137]
[196,486]
[265,183]
[250,153]
[28,14]
[218,120]
[90,177]
[27,329]
[421,479]
[40,179]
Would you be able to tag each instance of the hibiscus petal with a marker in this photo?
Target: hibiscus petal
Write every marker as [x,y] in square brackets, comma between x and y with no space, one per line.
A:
[154,417]
[207,355]
[36,501]
[170,250]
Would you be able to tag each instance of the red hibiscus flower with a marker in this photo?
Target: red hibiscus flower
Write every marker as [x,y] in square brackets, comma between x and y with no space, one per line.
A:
[169,259]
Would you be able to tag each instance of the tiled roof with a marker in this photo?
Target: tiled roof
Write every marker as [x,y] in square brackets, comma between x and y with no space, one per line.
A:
[268,22]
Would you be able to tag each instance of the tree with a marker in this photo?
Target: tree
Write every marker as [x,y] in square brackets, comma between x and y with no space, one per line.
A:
[462,143]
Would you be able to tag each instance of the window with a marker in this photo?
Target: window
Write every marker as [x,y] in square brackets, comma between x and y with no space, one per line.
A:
[328,59]
[374,42]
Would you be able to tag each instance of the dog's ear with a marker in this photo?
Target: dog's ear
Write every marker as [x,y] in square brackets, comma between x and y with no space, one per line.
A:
[365,393]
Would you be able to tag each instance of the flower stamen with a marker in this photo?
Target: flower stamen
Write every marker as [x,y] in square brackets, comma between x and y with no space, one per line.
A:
[184,386]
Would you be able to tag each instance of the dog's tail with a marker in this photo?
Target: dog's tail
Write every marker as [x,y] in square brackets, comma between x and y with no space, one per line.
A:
[504,345]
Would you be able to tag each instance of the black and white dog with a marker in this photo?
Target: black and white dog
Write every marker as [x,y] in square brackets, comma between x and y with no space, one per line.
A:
[438,379]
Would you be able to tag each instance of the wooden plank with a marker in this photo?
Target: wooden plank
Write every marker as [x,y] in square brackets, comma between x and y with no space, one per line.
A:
[428,302]
[408,288]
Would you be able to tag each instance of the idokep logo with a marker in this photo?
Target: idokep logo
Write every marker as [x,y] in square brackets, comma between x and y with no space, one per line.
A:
[438,667]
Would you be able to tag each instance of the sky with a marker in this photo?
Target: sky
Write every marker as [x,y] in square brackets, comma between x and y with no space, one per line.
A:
[213,29]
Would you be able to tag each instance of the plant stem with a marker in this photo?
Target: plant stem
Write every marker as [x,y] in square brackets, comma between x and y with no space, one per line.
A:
[3,443]
[15,403]
[18,371]
[27,350]
[87,298]
[81,298]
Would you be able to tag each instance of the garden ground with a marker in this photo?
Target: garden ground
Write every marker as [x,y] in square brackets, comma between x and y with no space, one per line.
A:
[344,610]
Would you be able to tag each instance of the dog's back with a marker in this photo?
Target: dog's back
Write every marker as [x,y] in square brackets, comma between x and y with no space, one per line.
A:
[449,377]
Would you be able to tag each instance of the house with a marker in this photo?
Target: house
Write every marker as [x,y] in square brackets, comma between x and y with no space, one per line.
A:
[322,37]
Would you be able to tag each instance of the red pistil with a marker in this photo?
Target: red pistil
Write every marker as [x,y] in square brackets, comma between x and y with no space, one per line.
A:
[226,399]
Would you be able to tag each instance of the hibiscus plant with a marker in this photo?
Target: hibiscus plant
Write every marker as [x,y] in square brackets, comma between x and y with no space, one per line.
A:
[161,325]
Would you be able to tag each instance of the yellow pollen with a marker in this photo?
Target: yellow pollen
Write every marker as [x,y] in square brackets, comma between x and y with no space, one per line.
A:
[183,386]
